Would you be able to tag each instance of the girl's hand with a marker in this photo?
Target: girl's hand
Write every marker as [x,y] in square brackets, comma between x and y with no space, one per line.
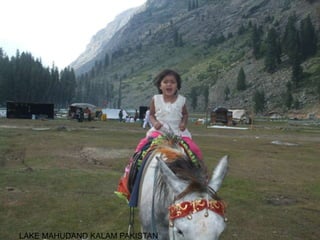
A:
[182,126]
[157,125]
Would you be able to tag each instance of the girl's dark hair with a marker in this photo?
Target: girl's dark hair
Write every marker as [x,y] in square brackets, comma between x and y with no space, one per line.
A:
[163,74]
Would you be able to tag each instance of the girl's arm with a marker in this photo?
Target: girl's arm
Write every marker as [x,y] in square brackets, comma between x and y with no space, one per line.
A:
[155,123]
[184,119]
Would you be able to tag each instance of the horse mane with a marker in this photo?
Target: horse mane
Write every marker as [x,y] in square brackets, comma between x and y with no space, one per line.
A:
[180,163]
[186,170]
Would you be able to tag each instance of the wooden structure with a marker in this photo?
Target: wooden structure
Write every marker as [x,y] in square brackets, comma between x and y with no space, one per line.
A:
[81,111]
[142,112]
[28,110]
[221,116]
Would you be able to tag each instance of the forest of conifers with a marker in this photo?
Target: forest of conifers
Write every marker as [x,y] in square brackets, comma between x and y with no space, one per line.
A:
[25,79]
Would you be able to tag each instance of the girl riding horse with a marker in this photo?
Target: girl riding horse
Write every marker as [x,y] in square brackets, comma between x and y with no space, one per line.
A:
[168,111]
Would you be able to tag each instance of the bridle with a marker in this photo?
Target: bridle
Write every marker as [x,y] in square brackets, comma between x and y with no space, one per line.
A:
[187,208]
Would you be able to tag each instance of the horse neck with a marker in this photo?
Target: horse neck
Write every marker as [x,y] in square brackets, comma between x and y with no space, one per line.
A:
[152,201]
[162,191]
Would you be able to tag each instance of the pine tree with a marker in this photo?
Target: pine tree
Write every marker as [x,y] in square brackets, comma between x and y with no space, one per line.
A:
[291,40]
[288,100]
[194,97]
[4,76]
[189,5]
[177,39]
[297,73]
[272,55]
[205,90]
[241,30]
[68,81]
[288,96]
[259,101]
[241,81]
[256,41]
[308,38]
[193,5]
[180,44]
[226,93]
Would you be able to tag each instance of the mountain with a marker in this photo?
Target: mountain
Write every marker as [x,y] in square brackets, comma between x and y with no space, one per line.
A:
[208,42]
[86,60]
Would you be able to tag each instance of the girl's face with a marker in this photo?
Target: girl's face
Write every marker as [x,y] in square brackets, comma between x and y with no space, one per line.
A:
[169,85]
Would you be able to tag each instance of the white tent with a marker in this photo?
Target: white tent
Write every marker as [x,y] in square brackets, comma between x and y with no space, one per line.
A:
[238,114]
[113,113]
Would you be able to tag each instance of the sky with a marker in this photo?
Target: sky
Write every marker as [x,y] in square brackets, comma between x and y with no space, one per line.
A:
[56,31]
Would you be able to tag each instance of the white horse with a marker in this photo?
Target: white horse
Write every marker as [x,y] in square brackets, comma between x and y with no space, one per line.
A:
[177,201]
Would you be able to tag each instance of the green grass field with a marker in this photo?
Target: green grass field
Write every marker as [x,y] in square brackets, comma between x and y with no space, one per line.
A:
[59,176]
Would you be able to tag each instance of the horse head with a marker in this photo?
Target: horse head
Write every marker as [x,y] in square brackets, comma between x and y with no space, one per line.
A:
[195,214]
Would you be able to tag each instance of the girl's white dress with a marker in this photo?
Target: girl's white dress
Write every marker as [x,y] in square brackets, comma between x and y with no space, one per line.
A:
[170,115]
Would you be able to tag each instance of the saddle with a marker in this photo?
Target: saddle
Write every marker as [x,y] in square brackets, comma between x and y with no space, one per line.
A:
[138,160]
[133,170]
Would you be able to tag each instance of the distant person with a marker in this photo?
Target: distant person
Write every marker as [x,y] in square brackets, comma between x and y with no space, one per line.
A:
[120,115]
[98,114]
[146,120]
[87,113]
[77,114]
[81,115]
[136,115]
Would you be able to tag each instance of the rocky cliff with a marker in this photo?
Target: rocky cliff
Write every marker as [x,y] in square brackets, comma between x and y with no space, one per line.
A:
[100,40]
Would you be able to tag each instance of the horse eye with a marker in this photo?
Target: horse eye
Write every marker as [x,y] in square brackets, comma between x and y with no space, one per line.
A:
[180,232]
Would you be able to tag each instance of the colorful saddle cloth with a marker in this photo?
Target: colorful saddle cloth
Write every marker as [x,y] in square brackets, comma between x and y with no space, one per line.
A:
[140,162]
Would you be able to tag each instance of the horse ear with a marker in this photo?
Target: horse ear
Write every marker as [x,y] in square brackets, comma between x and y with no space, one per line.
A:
[170,178]
[219,174]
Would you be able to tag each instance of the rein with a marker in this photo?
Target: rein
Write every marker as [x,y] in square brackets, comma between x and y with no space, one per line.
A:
[153,220]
